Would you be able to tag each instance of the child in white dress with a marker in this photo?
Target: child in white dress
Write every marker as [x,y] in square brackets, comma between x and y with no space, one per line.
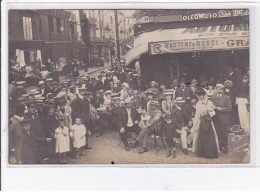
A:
[62,140]
[78,135]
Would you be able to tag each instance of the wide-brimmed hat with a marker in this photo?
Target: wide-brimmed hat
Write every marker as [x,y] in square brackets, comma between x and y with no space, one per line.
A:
[82,89]
[179,100]
[116,98]
[18,83]
[168,92]
[41,82]
[228,83]
[155,103]
[30,102]
[149,91]
[49,80]
[221,86]
[153,82]
[128,100]
[108,92]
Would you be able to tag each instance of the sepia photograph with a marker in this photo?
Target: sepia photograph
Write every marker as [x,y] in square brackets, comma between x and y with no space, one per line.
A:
[128,86]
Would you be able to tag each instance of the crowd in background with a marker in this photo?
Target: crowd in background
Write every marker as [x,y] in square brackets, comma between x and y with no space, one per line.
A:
[54,119]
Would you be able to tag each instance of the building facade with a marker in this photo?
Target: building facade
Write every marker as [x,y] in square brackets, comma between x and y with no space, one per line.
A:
[187,45]
[42,35]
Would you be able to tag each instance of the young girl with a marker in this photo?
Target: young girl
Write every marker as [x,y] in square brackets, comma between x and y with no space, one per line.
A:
[78,135]
[62,140]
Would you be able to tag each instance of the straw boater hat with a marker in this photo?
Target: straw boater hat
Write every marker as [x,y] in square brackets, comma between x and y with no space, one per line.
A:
[19,83]
[108,92]
[228,83]
[82,89]
[49,80]
[155,103]
[221,86]
[149,91]
[179,100]
[116,98]
[168,92]
[41,82]
[153,82]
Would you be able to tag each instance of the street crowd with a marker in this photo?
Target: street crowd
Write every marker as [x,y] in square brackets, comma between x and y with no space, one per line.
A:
[54,120]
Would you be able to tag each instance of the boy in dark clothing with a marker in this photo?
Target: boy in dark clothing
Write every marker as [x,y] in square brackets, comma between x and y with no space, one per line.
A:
[169,130]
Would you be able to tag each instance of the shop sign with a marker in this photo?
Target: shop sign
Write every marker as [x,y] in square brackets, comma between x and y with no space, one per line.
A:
[234,12]
[200,16]
[223,43]
[216,14]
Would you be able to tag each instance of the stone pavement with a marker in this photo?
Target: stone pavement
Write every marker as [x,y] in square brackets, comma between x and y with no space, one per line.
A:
[108,149]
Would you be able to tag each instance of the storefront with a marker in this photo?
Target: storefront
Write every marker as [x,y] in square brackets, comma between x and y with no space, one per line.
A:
[189,52]
[26,52]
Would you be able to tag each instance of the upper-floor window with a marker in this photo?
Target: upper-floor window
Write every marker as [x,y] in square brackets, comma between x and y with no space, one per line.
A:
[60,25]
[27,28]
[50,21]
[40,25]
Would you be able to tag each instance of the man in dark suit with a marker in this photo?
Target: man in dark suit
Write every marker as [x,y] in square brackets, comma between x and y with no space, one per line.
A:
[16,135]
[116,110]
[128,122]
[221,120]
[38,129]
[181,120]
[43,89]
[183,91]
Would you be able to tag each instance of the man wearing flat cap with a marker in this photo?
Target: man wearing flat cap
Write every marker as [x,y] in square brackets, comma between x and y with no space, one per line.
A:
[222,120]
[147,127]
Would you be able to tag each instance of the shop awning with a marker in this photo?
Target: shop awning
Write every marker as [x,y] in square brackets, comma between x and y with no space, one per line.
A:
[206,38]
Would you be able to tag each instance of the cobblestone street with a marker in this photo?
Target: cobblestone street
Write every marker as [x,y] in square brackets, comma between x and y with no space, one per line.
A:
[108,149]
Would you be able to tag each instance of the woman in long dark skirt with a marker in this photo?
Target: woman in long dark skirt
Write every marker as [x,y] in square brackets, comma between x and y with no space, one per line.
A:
[207,146]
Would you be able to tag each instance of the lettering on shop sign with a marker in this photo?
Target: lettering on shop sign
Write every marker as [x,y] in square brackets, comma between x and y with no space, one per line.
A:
[221,28]
[200,16]
[177,46]
[216,14]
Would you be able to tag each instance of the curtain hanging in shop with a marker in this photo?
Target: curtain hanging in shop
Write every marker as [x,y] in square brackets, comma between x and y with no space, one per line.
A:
[22,61]
[39,56]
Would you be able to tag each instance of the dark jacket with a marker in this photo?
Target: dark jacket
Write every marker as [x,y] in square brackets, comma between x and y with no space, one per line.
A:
[80,109]
[187,93]
[180,118]
[123,118]
[225,103]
